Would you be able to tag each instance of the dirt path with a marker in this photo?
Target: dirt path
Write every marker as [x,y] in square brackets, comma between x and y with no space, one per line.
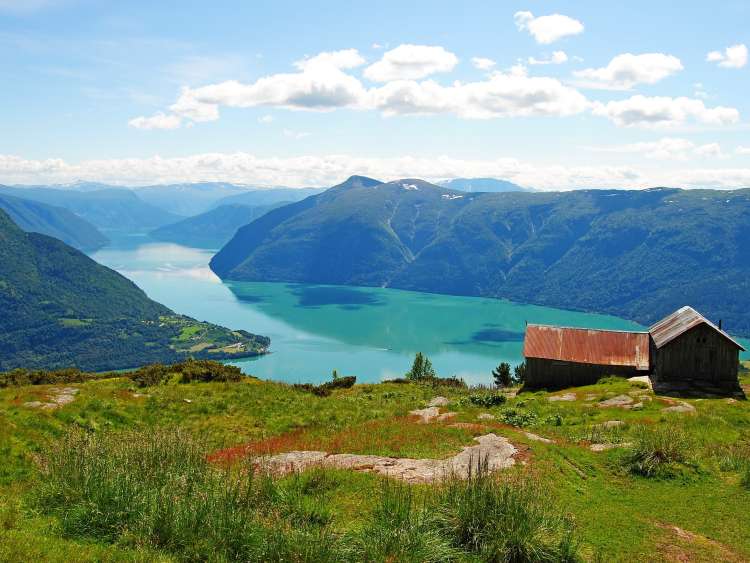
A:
[495,450]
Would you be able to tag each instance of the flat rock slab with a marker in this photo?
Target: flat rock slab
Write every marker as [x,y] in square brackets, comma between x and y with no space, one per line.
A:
[565,397]
[617,401]
[438,402]
[495,450]
[58,397]
[682,407]
[426,415]
[537,438]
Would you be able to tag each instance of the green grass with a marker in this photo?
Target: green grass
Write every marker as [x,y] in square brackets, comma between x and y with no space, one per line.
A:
[568,499]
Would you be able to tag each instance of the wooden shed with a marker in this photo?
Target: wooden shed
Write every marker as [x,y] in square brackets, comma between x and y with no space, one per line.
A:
[688,348]
[559,357]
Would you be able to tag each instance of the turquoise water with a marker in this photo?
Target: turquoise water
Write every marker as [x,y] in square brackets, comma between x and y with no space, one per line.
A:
[372,333]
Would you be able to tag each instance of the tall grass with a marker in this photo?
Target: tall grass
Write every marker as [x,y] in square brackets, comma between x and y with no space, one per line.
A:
[657,450]
[508,518]
[156,489]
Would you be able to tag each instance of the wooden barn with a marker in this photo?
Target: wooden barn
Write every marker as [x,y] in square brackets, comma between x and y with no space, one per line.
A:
[688,348]
[684,348]
[566,357]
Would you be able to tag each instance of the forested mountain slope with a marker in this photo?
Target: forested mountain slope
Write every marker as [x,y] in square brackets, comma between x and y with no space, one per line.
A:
[61,309]
[637,254]
[33,216]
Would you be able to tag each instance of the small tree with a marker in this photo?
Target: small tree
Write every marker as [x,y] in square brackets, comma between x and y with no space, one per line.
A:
[421,368]
[335,374]
[501,374]
[519,374]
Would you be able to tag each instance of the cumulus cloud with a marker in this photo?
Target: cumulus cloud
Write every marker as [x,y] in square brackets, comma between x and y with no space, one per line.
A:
[265,119]
[320,85]
[662,111]
[667,148]
[557,58]
[482,63]
[742,150]
[547,29]
[626,70]
[157,121]
[509,94]
[343,59]
[411,62]
[732,57]
[328,170]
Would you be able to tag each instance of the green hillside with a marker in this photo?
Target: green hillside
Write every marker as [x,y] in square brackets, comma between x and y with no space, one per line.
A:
[214,228]
[636,254]
[36,217]
[60,308]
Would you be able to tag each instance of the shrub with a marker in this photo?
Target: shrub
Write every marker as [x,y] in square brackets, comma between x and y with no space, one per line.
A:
[505,518]
[19,377]
[189,371]
[518,417]
[486,400]
[657,449]
[325,389]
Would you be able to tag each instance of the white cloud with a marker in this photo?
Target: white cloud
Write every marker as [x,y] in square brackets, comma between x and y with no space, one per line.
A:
[511,94]
[376,46]
[732,57]
[411,62]
[700,91]
[662,111]
[328,170]
[156,121]
[626,70]
[320,86]
[482,63]
[187,105]
[667,148]
[547,29]
[742,150]
[343,59]
[265,119]
[295,134]
[557,58]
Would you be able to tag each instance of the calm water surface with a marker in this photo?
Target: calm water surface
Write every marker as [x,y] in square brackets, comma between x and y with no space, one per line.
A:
[372,333]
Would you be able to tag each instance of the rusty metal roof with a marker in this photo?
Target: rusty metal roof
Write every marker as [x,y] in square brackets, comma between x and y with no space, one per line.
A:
[587,346]
[681,321]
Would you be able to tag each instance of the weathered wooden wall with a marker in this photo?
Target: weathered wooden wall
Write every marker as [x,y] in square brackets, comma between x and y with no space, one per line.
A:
[555,374]
[699,355]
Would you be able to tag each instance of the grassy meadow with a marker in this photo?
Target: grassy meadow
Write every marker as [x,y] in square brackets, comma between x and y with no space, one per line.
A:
[159,468]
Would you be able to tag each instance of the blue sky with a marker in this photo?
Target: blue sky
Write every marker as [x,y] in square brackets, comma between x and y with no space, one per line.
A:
[555,95]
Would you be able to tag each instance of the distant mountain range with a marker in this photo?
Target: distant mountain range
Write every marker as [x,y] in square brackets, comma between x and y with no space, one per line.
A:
[36,217]
[214,228]
[188,199]
[491,185]
[268,196]
[62,309]
[636,254]
[107,209]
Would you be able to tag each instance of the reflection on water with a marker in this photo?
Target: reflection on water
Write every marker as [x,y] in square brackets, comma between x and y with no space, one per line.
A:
[372,333]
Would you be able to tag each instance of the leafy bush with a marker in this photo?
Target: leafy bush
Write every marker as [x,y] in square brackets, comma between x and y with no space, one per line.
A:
[657,450]
[20,377]
[505,518]
[486,400]
[189,371]
[518,417]
[325,389]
